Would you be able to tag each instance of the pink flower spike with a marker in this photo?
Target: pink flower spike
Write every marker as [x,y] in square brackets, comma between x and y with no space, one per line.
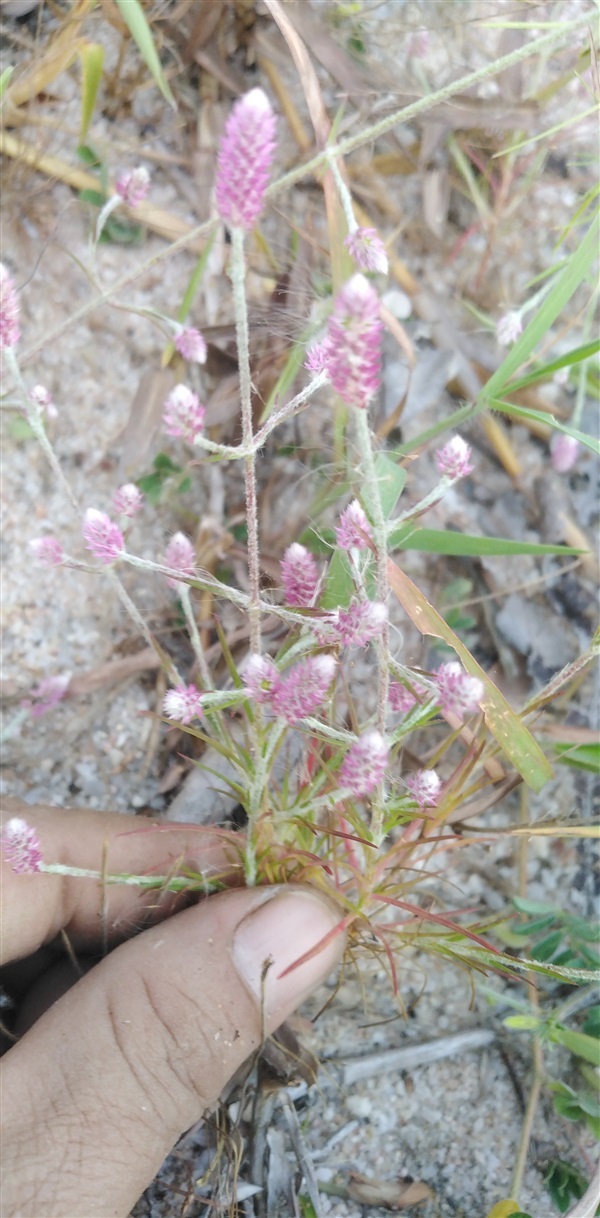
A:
[367,248]
[183,415]
[244,162]
[10,331]
[183,703]
[47,551]
[47,695]
[364,765]
[355,335]
[299,576]
[424,786]
[304,689]
[180,556]
[563,452]
[133,185]
[102,536]
[318,356]
[259,676]
[127,500]
[20,846]
[42,398]
[454,459]
[458,693]
[354,528]
[191,344]
[400,698]
[508,329]
[359,623]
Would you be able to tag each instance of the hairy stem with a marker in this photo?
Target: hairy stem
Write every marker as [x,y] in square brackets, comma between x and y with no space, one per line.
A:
[186,601]
[238,276]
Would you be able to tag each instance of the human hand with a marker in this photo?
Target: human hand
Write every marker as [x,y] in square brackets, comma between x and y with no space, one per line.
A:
[100,1086]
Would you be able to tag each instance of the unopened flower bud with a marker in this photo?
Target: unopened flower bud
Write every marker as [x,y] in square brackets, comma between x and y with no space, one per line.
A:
[563,452]
[180,556]
[191,344]
[127,499]
[508,329]
[454,459]
[42,398]
[367,248]
[133,185]
[102,536]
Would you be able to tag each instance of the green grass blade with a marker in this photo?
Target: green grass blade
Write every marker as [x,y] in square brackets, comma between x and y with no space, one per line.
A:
[540,416]
[91,55]
[547,370]
[504,724]
[580,756]
[5,79]
[445,541]
[566,283]
[137,24]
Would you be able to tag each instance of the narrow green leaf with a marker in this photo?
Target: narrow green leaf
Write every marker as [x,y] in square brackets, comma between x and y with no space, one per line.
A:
[507,728]
[587,1047]
[566,283]
[137,24]
[339,585]
[580,756]
[91,55]
[539,416]
[391,478]
[446,541]
[545,949]
[547,370]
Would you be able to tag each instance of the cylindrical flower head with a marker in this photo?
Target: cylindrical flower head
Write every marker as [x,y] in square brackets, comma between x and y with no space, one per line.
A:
[20,846]
[355,335]
[354,528]
[191,344]
[10,331]
[359,623]
[367,248]
[563,452]
[180,556]
[183,703]
[424,786]
[47,551]
[304,689]
[454,459]
[245,158]
[458,693]
[127,499]
[133,185]
[364,766]
[299,575]
[259,675]
[102,536]
[183,415]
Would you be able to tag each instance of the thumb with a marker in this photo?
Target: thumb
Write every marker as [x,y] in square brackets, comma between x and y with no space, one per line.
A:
[100,1088]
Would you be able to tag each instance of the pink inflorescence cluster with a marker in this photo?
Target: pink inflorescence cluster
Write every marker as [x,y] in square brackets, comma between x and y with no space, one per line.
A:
[127,499]
[295,695]
[424,786]
[401,699]
[457,693]
[191,344]
[365,763]
[299,576]
[10,331]
[353,530]
[42,398]
[350,353]
[183,703]
[563,452]
[180,556]
[102,536]
[133,186]
[361,622]
[183,414]
[367,249]
[20,846]
[244,161]
[47,551]
[454,459]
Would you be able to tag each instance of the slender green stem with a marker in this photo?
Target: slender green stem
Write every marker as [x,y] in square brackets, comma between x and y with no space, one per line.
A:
[186,601]
[137,619]
[238,278]
[344,193]
[170,883]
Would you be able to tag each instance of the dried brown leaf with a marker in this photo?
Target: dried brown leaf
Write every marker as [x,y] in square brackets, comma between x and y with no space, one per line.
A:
[390,1194]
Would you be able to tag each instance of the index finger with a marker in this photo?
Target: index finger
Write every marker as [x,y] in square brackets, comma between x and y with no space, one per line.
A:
[35,907]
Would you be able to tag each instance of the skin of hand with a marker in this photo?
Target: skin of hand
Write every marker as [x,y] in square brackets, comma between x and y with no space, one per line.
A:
[102,1082]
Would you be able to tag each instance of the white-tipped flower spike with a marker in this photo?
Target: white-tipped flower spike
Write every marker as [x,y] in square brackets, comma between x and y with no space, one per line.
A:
[191,344]
[133,186]
[454,459]
[299,575]
[424,786]
[20,846]
[180,556]
[10,331]
[458,693]
[42,398]
[304,689]
[318,356]
[245,158]
[563,452]
[47,551]
[354,529]
[359,623]
[364,766]
[183,414]
[102,536]
[508,329]
[127,499]
[183,703]
[259,675]
[355,335]
[368,250]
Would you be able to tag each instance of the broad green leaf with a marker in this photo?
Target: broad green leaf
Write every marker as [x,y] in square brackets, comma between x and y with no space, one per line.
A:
[539,416]
[547,370]
[581,756]
[587,1047]
[566,283]
[391,478]
[91,55]
[447,541]
[524,905]
[339,585]
[510,732]
[137,24]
